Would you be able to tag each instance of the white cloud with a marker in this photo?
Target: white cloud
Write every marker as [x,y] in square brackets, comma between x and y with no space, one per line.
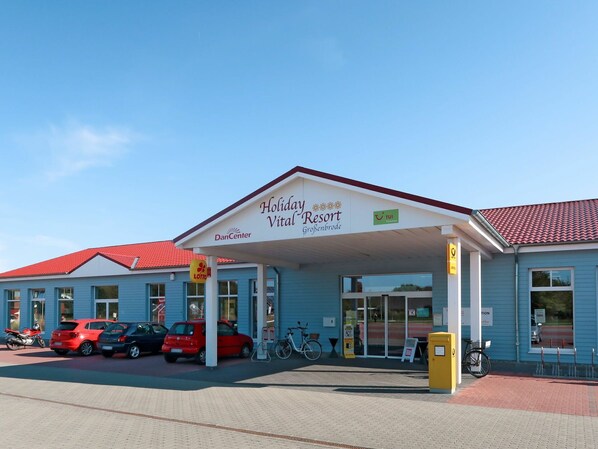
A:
[71,148]
[75,148]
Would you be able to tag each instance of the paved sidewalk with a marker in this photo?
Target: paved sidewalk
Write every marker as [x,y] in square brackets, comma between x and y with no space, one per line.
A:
[55,402]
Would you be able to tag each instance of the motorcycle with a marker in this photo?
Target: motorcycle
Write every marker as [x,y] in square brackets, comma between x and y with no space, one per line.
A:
[18,340]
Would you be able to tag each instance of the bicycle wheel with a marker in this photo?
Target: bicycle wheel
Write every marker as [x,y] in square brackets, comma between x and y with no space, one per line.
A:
[477,363]
[312,350]
[283,349]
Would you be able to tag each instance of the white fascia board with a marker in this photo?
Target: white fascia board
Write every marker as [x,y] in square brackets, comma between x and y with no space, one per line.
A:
[236,210]
[392,198]
[551,248]
[486,236]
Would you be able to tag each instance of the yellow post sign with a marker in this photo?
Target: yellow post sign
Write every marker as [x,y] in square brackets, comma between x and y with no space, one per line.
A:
[451,258]
[199,271]
[348,342]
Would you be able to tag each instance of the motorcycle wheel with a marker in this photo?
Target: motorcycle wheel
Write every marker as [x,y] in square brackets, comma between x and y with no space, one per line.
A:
[42,343]
[13,344]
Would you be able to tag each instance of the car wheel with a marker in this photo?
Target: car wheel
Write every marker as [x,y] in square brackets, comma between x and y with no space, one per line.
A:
[245,351]
[86,348]
[134,352]
[61,351]
[107,354]
[170,358]
[200,357]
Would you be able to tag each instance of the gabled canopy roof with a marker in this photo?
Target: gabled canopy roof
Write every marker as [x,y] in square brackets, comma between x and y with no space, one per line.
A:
[307,216]
[553,223]
[134,257]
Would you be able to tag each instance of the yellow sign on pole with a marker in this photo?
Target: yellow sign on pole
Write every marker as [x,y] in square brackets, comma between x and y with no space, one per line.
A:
[451,258]
[348,342]
[199,271]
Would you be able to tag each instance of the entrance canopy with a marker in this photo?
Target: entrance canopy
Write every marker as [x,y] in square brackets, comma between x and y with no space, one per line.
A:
[310,217]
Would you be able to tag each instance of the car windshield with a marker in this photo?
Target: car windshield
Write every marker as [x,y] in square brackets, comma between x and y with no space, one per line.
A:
[67,326]
[116,328]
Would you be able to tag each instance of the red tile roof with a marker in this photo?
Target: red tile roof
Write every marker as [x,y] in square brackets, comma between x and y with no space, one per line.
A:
[568,222]
[135,257]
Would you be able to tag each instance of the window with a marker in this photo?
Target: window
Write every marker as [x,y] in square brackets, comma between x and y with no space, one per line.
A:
[38,307]
[157,303]
[106,300]
[388,283]
[66,309]
[270,315]
[13,300]
[228,299]
[551,312]
[195,301]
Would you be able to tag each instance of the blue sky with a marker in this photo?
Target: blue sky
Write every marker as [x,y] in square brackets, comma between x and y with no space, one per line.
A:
[132,121]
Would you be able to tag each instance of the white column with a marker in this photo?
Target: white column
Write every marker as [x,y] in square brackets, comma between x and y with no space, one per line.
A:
[475,280]
[454,304]
[262,287]
[212,314]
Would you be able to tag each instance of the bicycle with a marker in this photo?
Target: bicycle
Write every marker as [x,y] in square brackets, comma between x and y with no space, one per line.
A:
[311,349]
[475,360]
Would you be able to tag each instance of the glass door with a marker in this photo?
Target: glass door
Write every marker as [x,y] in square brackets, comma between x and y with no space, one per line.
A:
[396,326]
[376,326]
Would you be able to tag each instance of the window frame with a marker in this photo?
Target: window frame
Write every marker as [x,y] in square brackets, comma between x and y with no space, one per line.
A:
[551,288]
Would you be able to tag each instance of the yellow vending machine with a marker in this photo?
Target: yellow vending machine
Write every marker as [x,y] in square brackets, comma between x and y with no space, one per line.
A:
[442,362]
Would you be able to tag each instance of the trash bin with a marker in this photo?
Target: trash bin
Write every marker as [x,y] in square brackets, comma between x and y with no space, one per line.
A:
[442,362]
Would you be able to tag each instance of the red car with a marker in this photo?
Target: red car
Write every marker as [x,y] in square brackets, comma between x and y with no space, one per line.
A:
[187,339]
[77,335]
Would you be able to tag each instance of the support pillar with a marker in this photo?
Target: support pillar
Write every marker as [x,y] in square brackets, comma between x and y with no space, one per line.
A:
[262,280]
[454,304]
[475,281]
[212,313]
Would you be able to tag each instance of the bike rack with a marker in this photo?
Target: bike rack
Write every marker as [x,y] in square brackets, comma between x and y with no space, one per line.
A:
[572,370]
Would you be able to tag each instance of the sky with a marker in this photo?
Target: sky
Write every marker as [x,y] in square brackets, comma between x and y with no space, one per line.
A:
[128,121]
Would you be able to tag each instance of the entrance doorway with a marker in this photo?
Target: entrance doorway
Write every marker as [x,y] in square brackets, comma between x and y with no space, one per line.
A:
[382,322]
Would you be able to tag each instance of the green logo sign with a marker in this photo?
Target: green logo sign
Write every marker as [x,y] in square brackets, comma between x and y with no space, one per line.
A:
[382,217]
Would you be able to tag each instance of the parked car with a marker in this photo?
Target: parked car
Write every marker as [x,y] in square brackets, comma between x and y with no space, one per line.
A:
[187,339]
[536,329]
[132,338]
[77,335]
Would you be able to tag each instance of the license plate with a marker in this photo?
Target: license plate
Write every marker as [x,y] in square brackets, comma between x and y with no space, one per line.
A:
[57,343]
[107,348]
[176,350]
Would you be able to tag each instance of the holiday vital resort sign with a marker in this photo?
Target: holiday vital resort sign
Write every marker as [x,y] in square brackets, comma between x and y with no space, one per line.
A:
[288,211]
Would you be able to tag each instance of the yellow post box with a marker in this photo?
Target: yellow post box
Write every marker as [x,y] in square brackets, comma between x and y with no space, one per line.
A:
[442,362]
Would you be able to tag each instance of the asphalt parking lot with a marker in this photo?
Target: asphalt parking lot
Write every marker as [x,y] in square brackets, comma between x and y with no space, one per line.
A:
[61,402]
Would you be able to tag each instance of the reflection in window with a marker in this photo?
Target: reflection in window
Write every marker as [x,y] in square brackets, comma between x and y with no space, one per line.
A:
[195,301]
[388,283]
[228,298]
[14,309]
[551,309]
[66,308]
[157,304]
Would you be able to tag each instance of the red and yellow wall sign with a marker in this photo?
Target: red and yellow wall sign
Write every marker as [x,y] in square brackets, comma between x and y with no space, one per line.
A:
[199,271]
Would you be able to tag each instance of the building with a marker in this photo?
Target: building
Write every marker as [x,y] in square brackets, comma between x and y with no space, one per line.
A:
[330,251]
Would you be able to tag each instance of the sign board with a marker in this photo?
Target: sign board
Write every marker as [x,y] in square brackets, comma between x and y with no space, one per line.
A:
[487,316]
[451,258]
[382,217]
[348,342]
[540,315]
[409,349]
[199,271]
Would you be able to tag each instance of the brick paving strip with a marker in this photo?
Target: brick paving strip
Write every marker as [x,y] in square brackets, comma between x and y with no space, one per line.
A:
[193,423]
[563,396]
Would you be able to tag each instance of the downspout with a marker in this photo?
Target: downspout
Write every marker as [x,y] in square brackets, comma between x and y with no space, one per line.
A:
[516,252]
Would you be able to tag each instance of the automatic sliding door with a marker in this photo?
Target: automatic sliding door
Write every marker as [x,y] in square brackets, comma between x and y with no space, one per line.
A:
[396,325]
[376,327]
